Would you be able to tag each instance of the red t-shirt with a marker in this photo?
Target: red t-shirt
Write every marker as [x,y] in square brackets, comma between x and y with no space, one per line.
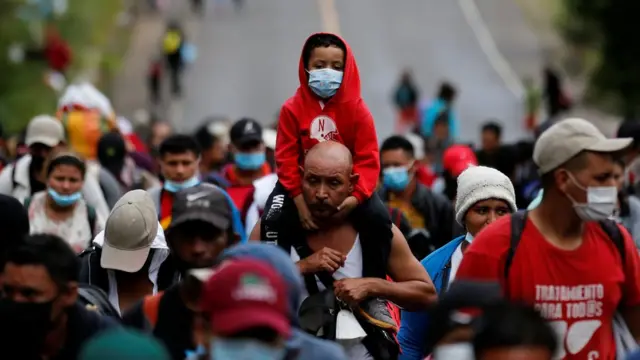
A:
[241,194]
[578,291]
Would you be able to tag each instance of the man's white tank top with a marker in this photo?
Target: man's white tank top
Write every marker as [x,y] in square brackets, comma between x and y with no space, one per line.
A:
[352,266]
[352,269]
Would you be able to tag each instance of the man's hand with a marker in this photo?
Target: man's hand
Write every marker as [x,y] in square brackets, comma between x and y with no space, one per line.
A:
[353,291]
[346,207]
[305,215]
[326,259]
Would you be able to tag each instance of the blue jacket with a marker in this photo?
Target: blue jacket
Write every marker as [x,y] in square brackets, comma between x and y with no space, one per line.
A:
[429,115]
[414,325]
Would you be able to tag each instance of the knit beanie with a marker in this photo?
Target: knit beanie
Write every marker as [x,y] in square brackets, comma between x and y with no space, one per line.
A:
[478,183]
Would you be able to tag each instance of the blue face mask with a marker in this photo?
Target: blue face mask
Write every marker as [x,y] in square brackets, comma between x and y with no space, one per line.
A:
[225,349]
[64,200]
[174,187]
[395,178]
[250,161]
[325,82]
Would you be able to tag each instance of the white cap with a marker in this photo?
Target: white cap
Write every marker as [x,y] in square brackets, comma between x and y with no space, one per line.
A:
[44,129]
[479,183]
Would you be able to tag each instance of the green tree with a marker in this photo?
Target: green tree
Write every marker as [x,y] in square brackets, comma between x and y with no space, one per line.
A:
[22,89]
[610,27]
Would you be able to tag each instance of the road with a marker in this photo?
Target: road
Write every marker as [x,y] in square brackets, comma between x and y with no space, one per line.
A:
[247,64]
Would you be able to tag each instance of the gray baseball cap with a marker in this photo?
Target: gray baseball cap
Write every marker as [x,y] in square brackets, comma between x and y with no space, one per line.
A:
[129,232]
[204,202]
[567,138]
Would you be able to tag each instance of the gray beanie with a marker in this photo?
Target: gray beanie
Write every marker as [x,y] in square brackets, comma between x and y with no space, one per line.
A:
[478,183]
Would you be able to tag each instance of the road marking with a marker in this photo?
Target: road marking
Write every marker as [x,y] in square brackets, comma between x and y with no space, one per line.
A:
[489,47]
[329,16]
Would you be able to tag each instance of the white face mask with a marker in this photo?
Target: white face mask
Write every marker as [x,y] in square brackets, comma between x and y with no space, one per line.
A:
[457,351]
[601,202]
[468,237]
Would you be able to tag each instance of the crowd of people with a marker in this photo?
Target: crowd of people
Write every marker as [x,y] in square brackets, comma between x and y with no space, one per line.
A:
[312,240]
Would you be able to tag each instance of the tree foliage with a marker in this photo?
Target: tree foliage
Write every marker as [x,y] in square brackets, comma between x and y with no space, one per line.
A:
[612,28]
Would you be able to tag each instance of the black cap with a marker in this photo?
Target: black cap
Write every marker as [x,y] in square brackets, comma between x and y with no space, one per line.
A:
[245,131]
[204,202]
[111,149]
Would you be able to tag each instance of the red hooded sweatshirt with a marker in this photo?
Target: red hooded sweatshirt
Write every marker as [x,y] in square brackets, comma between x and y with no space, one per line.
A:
[306,119]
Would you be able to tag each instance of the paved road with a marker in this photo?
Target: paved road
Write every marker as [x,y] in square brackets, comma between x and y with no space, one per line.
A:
[247,62]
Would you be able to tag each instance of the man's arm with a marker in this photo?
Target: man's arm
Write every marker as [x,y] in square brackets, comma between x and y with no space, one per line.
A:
[412,289]
[630,308]
[255,233]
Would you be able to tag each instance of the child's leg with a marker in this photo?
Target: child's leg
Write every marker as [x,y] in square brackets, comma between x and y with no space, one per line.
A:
[279,213]
[373,213]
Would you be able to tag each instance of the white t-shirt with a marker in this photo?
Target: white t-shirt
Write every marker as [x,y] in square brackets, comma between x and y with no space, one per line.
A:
[456,258]
[75,229]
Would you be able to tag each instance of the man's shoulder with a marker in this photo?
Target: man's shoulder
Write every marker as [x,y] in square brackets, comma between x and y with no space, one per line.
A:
[427,194]
[155,191]
[90,321]
[493,238]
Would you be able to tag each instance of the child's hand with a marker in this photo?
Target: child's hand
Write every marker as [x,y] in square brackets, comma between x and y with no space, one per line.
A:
[306,219]
[346,207]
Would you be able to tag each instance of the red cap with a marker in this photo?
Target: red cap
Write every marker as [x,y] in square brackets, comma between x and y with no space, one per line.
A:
[457,158]
[244,294]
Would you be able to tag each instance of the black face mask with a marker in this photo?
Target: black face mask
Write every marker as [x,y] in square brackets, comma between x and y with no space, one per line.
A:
[37,162]
[24,326]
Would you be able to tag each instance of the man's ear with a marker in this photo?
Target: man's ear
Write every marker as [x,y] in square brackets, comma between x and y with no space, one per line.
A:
[561,179]
[70,294]
[353,180]
[414,166]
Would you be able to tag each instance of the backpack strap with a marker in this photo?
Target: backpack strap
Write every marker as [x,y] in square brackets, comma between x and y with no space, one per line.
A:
[26,203]
[14,182]
[613,231]
[518,221]
[396,216]
[304,251]
[92,218]
[151,308]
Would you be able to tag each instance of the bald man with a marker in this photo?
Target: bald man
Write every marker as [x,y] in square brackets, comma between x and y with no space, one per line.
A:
[354,264]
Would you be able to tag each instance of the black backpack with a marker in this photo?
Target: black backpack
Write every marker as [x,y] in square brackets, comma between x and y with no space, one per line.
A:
[94,298]
[519,220]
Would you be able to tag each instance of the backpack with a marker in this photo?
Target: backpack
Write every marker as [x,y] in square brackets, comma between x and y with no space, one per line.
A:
[519,220]
[91,216]
[172,42]
[151,308]
[94,298]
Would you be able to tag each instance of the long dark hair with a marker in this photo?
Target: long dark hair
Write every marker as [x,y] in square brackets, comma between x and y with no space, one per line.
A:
[64,158]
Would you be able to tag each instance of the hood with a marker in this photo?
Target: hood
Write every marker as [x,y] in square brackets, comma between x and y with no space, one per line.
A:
[350,88]
[85,96]
[159,242]
[281,262]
